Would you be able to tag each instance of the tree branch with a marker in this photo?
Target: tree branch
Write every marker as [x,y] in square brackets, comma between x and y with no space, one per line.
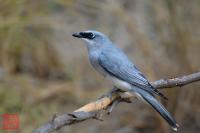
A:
[180,81]
[94,110]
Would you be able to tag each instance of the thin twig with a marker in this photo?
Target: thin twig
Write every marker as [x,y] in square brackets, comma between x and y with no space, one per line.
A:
[180,81]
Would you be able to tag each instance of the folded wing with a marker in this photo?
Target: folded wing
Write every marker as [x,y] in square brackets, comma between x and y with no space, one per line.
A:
[123,69]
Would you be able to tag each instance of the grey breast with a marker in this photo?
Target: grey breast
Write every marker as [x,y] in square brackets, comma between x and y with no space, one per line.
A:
[93,57]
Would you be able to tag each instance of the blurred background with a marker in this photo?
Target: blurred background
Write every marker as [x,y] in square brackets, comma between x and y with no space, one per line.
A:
[44,70]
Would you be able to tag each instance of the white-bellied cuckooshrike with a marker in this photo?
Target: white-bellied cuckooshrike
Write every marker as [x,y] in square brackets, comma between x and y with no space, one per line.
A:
[114,65]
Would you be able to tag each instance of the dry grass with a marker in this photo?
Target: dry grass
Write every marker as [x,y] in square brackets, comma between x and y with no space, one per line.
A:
[42,67]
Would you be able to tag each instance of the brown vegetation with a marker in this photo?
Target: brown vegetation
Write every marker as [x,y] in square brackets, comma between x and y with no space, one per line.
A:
[43,70]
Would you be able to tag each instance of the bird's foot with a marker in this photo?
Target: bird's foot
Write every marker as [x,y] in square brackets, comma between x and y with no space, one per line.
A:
[115,89]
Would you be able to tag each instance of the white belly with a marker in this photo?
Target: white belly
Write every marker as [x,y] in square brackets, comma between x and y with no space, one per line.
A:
[119,83]
[123,86]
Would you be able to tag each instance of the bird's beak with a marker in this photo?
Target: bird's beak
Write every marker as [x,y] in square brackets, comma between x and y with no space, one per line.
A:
[78,35]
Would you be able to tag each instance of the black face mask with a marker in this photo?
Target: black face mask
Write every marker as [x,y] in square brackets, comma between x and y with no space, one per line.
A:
[87,35]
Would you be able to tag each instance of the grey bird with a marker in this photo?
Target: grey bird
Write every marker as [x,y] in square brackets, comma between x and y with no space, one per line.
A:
[115,66]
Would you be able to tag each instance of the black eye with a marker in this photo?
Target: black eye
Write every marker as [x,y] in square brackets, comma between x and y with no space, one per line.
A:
[91,35]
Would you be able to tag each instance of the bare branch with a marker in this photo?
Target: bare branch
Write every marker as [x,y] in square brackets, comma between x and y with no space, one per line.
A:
[94,109]
[180,81]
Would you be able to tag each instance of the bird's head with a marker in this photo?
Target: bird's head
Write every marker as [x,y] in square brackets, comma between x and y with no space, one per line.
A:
[92,38]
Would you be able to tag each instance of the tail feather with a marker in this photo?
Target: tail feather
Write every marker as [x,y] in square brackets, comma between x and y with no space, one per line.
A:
[160,94]
[149,98]
[157,92]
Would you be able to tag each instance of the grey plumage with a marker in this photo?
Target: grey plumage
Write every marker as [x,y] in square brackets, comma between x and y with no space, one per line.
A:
[113,64]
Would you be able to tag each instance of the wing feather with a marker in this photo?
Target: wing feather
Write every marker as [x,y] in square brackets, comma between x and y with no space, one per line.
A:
[126,71]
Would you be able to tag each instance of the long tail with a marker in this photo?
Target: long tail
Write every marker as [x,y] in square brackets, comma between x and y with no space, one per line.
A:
[149,98]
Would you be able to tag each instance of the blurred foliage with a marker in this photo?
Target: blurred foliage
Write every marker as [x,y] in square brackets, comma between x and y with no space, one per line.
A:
[43,70]
[25,46]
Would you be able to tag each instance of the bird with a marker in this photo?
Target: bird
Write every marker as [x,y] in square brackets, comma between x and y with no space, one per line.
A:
[111,62]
